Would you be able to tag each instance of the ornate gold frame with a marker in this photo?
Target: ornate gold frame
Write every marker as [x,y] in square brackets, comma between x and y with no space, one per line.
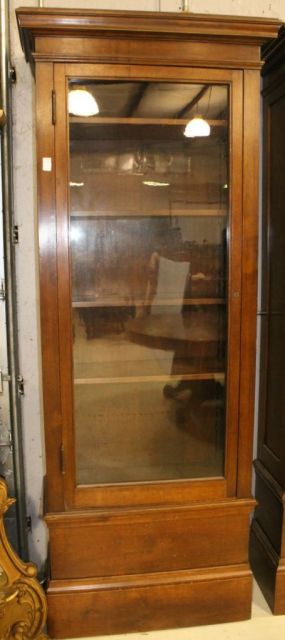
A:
[23,609]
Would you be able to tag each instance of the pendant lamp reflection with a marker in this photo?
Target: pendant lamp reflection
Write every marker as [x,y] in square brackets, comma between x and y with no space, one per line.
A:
[82,103]
[197,128]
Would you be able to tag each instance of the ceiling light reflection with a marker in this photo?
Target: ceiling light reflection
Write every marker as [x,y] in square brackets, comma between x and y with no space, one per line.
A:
[75,234]
[197,128]
[153,183]
[82,103]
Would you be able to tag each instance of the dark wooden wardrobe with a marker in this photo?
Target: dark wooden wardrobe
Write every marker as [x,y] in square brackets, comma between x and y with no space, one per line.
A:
[267,545]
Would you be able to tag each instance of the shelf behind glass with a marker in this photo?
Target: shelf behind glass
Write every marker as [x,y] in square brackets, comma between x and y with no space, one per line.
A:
[149,215]
[120,302]
[206,213]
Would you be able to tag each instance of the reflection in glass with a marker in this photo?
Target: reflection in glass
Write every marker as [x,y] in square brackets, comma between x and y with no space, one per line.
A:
[148,227]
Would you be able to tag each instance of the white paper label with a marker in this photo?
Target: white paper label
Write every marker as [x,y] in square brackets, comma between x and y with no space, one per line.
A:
[47,164]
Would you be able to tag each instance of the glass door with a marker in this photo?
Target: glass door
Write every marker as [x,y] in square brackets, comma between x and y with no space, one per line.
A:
[149,225]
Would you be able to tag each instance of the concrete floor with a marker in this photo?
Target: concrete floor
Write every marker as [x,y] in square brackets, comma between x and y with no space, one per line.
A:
[262,626]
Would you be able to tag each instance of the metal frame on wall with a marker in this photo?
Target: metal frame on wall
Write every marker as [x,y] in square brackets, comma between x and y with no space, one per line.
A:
[11,450]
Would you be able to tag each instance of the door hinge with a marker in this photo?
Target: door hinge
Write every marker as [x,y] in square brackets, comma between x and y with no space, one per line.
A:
[12,75]
[4,377]
[20,384]
[15,234]
[62,459]
[29,524]
[53,107]
[2,289]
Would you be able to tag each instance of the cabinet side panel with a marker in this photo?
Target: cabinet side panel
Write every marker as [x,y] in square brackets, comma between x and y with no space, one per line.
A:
[235,274]
[271,429]
[270,508]
[249,277]
[267,546]
[48,282]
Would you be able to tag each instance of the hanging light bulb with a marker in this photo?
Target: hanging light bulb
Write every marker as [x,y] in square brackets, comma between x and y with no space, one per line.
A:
[197,128]
[82,103]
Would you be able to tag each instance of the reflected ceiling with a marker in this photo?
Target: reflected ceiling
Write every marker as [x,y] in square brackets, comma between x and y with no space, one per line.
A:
[157,99]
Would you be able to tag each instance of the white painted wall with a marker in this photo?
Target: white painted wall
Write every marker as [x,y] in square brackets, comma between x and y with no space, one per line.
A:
[25,208]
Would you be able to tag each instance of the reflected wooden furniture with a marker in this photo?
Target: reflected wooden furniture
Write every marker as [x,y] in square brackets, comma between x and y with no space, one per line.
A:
[198,349]
[23,609]
[135,556]
[185,334]
[2,118]
[267,545]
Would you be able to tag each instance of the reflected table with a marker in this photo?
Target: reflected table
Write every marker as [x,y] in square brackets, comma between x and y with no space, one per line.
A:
[197,339]
[197,335]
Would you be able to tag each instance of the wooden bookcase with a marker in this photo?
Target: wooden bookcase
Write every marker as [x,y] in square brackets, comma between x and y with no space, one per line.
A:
[148,245]
[267,544]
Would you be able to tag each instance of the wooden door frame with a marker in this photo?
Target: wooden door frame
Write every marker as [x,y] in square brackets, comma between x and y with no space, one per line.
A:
[166,492]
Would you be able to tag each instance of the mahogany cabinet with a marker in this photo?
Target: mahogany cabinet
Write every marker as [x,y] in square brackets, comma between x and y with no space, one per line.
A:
[267,547]
[147,234]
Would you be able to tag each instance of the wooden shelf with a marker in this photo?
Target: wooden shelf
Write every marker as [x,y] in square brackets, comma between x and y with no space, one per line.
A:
[219,376]
[111,302]
[141,121]
[210,213]
[138,366]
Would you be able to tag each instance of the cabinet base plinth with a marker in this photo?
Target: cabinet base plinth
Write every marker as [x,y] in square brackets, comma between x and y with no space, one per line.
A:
[150,602]
[143,569]
[268,569]
[267,539]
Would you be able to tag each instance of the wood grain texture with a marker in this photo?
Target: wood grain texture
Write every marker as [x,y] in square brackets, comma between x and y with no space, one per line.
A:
[166,601]
[151,494]
[249,276]
[36,26]
[148,540]
[235,280]
[174,54]
[228,27]
[141,556]
[48,286]
[64,318]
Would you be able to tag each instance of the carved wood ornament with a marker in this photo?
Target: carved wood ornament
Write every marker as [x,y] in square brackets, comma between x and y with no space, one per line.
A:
[23,608]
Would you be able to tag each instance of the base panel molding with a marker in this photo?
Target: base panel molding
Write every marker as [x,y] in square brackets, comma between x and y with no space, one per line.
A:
[158,601]
[175,566]
[168,539]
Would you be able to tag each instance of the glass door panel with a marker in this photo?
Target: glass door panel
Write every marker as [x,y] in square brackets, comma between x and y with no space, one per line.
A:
[149,214]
